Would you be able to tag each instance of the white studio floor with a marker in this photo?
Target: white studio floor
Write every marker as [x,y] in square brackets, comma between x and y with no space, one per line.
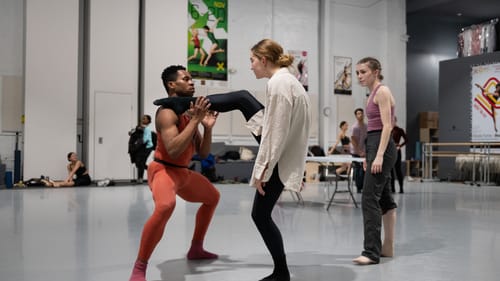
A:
[445,231]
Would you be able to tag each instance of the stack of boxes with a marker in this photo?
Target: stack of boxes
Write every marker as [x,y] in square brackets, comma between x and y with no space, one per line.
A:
[428,123]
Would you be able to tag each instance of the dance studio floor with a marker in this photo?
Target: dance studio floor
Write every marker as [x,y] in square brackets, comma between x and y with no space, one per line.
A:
[445,231]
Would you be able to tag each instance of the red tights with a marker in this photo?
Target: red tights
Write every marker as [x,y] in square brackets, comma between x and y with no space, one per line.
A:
[165,183]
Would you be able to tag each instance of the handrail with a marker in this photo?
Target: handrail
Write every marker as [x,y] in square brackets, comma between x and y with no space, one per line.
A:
[481,150]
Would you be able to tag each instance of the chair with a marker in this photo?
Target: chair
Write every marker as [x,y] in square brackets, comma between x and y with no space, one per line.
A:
[340,177]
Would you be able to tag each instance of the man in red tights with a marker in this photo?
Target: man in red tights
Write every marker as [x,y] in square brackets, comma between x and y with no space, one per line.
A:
[168,175]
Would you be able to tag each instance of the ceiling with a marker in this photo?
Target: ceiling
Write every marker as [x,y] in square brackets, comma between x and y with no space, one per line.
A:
[480,10]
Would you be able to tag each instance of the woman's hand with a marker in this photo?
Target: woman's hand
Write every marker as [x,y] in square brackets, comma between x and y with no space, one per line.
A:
[259,184]
[377,165]
[260,187]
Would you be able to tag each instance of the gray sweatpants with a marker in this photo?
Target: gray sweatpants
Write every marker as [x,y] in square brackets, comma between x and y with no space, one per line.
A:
[377,198]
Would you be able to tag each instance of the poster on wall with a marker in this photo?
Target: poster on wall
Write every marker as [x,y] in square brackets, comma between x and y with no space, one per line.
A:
[342,69]
[299,67]
[207,39]
[485,102]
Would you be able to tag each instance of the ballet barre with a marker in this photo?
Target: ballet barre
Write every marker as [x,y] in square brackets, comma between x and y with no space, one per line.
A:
[480,152]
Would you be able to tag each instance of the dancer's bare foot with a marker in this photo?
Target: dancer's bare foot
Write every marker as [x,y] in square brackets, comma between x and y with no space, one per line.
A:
[46,183]
[55,184]
[362,260]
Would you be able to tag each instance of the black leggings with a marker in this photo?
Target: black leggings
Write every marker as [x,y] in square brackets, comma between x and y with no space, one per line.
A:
[238,100]
[261,215]
[262,205]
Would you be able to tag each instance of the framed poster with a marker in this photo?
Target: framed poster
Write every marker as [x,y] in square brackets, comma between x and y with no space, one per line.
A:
[342,70]
[485,100]
[299,67]
[207,39]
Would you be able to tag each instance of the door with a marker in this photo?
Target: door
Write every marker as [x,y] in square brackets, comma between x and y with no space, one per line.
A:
[113,119]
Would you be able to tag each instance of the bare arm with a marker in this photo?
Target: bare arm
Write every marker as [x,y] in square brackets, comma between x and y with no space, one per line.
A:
[72,171]
[384,101]
[205,142]
[403,135]
[215,24]
[332,148]
[177,142]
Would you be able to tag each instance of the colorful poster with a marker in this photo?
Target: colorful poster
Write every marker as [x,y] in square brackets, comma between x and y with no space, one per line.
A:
[485,102]
[299,67]
[207,39]
[342,70]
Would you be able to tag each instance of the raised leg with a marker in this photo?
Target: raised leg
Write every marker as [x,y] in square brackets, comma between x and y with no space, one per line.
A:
[237,100]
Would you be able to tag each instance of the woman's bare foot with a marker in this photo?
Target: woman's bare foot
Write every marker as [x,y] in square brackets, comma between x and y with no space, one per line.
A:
[362,260]
[55,184]
[46,183]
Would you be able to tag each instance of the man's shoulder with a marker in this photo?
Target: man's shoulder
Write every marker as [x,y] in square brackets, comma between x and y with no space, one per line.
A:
[167,115]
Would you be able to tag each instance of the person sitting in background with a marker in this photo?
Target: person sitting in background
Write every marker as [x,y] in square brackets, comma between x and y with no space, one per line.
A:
[345,141]
[78,174]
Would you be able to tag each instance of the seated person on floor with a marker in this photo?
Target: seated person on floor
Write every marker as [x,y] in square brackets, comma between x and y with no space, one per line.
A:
[75,168]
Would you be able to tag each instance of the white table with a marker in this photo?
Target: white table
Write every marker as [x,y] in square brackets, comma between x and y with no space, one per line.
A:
[337,158]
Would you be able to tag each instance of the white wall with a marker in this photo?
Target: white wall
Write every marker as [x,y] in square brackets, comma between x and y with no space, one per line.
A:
[113,69]
[359,29]
[11,32]
[11,68]
[165,44]
[50,86]
[355,29]
[293,24]
[396,57]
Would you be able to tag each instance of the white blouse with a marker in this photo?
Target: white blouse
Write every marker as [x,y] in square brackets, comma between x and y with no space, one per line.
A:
[285,131]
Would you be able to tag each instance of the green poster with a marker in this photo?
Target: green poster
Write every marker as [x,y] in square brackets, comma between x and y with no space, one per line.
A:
[207,39]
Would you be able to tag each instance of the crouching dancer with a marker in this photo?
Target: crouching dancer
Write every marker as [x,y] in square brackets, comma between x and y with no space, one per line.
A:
[168,175]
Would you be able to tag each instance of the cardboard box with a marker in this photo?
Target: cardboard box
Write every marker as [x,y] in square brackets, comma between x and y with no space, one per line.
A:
[428,120]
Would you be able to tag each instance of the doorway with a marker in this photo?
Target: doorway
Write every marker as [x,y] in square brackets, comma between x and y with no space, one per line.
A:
[113,120]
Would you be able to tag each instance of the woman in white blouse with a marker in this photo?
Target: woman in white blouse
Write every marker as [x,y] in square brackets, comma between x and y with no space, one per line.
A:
[282,131]
[281,157]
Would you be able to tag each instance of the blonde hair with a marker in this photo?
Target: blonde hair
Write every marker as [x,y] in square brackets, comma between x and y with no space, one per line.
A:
[373,64]
[273,52]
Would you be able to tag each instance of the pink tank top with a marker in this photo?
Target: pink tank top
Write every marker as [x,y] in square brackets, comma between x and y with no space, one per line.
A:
[373,113]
